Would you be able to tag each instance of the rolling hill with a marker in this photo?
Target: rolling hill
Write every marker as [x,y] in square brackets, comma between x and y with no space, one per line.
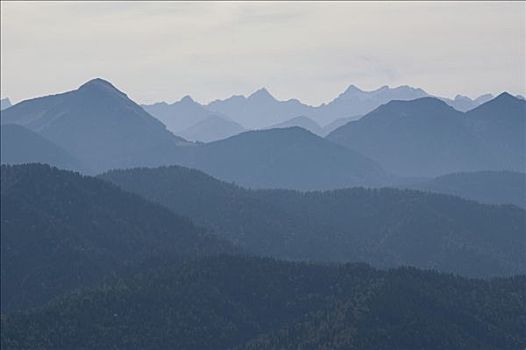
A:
[383,227]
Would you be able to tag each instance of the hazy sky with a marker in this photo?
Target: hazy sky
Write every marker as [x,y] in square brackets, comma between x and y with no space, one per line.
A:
[312,51]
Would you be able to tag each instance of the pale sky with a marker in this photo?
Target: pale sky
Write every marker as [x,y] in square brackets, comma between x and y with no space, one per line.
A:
[162,51]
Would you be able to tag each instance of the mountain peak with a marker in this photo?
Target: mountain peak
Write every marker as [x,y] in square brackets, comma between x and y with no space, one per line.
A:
[102,85]
[352,89]
[97,82]
[504,99]
[261,93]
[505,96]
[187,99]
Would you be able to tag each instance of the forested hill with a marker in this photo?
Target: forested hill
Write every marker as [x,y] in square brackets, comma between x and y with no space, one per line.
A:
[383,227]
[61,231]
[253,303]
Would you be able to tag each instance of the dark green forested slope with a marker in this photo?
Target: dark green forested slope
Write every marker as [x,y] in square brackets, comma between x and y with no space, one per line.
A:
[61,230]
[253,303]
[384,227]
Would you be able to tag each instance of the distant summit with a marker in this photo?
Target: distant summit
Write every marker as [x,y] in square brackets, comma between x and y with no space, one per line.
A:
[261,94]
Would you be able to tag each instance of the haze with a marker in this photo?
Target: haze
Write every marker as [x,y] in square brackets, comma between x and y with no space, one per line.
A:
[311,51]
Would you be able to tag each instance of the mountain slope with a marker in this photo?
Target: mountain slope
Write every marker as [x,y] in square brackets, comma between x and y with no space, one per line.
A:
[20,145]
[327,129]
[385,227]
[492,187]
[253,303]
[61,230]
[283,158]
[423,137]
[99,125]
[302,122]
[212,128]
[500,127]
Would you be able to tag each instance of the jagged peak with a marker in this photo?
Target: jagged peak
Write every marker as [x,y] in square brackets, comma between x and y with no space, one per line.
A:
[505,96]
[261,93]
[352,89]
[187,99]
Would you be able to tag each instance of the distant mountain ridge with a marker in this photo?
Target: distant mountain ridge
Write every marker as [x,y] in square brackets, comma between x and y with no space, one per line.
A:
[261,110]
[103,129]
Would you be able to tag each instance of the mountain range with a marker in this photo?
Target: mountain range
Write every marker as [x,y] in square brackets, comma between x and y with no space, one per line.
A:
[426,137]
[101,129]
[261,110]
[195,233]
